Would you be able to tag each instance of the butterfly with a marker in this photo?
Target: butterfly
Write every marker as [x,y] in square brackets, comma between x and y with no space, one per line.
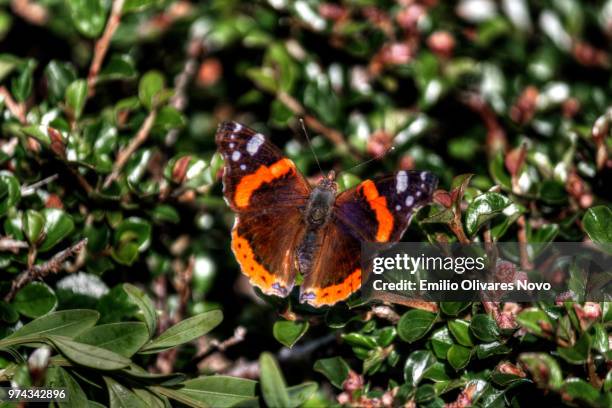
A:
[285,226]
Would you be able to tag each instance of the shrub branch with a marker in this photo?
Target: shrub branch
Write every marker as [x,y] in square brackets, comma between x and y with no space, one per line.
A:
[103,43]
[16,108]
[53,265]
[137,141]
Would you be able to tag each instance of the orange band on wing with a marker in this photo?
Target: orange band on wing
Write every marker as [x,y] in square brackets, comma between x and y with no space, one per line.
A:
[378,204]
[256,272]
[335,293]
[264,174]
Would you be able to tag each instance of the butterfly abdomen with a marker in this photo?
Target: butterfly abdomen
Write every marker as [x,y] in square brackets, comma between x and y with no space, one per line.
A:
[316,215]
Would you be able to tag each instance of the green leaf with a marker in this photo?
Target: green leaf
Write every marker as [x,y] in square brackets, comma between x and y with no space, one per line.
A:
[453,308]
[143,376]
[461,331]
[137,5]
[536,321]
[35,299]
[486,350]
[124,338]
[121,397]
[289,332]
[150,86]
[414,324]
[273,385]
[441,341]
[169,118]
[458,356]
[360,340]
[484,327]
[21,86]
[88,16]
[145,304]
[552,192]
[300,394]
[347,180]
[67,323]
[544,370]
[131,237]
[57,377]
[597,223]
[484,208]
[425,393]
[576,389]
[76,95]
[8,313]
[334,368]
[416,365]
[58,225]
[10,192]
[219,390]
[579,353]
[88,356]
[33,225]
[118,67]
[59,75]
[184,331]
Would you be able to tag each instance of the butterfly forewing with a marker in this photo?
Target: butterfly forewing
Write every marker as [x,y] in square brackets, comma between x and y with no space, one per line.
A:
[380,210]
[267,192]
[256,175]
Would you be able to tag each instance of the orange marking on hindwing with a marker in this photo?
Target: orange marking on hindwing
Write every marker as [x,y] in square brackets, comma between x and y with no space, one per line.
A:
[264,174]
[378,204]
[256,272]
[335,293]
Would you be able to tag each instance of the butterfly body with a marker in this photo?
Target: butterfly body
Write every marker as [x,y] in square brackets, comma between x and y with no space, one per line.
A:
[285,227]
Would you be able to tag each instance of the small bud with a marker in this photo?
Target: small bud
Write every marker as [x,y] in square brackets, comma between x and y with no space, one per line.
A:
[209,72]
[441,43]
[179,171]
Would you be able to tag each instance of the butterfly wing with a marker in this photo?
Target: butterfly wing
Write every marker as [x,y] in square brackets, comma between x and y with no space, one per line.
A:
[336,269]
[376,210]
[256,175]
[380,210]
[268,193]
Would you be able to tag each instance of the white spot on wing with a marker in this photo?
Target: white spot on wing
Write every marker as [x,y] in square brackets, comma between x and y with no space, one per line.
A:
[231,145]
[401,181]
[237,127]
[409,200]
[423,176]
[236,156]
[398,207]
[243,167]
[255,143]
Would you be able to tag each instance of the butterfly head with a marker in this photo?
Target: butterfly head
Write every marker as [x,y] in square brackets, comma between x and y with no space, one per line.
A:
[328,183]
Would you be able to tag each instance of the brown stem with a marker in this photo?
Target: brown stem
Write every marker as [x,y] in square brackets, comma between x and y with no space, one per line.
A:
[127,152]
[457,227]
[194,51]
[103,43]
[16,108]
[182,285]
[53,265]
[8,244]
[522,238]
[30,11]
[332,135]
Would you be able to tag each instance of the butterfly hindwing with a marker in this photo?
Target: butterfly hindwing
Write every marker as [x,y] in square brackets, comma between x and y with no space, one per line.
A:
[380,210]
[268,193]
[336,268]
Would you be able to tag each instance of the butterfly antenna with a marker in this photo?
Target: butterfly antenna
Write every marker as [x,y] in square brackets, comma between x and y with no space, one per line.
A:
[380,156]
[310,144]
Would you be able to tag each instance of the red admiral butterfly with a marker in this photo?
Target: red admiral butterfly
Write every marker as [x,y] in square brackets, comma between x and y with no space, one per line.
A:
[284,226]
